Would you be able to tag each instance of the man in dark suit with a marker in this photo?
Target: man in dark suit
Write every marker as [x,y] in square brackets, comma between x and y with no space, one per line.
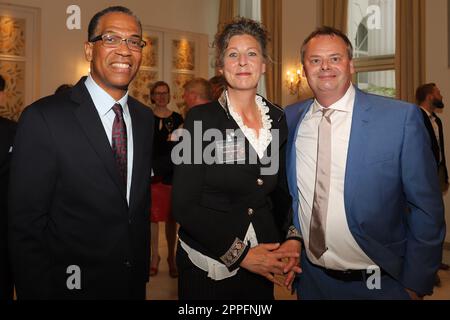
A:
[429,98]
[196,92]
[371,215]
[80,175]
[7,130]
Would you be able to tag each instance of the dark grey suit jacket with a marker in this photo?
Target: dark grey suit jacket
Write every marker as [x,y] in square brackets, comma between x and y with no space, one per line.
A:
[68,205]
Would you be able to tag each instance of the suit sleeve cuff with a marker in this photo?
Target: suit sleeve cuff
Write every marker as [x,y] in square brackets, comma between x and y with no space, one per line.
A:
[234,256]
[293,234]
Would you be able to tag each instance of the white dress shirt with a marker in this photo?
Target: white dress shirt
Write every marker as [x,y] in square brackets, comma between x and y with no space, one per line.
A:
[343,252]
[435,128]
[103,103]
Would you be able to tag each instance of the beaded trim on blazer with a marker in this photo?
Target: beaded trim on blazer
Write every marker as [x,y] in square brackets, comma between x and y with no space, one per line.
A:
[293,233]
[234,253]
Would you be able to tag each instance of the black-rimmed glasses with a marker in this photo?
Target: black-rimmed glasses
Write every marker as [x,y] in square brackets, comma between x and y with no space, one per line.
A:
[114,41]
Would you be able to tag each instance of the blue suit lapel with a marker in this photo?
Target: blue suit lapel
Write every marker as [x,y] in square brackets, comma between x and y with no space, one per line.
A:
[356,147]
[291,151]
[294,121]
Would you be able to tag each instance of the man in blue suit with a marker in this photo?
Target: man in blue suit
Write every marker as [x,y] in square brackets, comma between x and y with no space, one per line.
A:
[364,187]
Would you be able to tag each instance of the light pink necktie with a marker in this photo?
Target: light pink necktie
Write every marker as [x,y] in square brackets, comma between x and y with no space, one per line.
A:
[317,244]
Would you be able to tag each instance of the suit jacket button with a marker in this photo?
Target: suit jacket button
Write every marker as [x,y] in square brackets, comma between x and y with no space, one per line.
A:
[260,182]
[250,211]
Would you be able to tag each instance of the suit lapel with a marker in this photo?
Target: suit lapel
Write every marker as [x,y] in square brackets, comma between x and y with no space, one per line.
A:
[356,147]
[138,142]
[90,122]
[441,139]
[276,115]
[294,122]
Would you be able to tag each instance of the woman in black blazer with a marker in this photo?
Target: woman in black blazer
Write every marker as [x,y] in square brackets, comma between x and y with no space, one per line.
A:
[229,190]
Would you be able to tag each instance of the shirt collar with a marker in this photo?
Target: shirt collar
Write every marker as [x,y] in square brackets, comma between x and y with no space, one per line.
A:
[258,99]
[102,100]
[344,104]
[224,102]
[430,115]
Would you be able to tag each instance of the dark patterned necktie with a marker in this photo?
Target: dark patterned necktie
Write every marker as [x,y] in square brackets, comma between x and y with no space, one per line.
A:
[119,142]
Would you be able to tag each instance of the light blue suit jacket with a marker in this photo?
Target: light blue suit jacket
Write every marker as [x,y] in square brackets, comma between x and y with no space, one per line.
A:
[392,198]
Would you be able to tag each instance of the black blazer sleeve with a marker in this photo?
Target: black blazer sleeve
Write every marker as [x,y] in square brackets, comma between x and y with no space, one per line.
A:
[33,176]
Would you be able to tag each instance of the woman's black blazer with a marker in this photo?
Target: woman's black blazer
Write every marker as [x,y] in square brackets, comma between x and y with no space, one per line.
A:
[215,203]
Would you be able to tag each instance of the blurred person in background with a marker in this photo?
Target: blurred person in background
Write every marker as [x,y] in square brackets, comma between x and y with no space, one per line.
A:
[196,92]
[166,121]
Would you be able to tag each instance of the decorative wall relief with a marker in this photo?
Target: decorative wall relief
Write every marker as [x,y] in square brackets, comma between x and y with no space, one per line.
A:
[178,81]
[19,57]
[184,68]
[171,56]
[12,65]
[183,53]
[151,66]
[150,56]
[12,36]
[140,87]
[14,74]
